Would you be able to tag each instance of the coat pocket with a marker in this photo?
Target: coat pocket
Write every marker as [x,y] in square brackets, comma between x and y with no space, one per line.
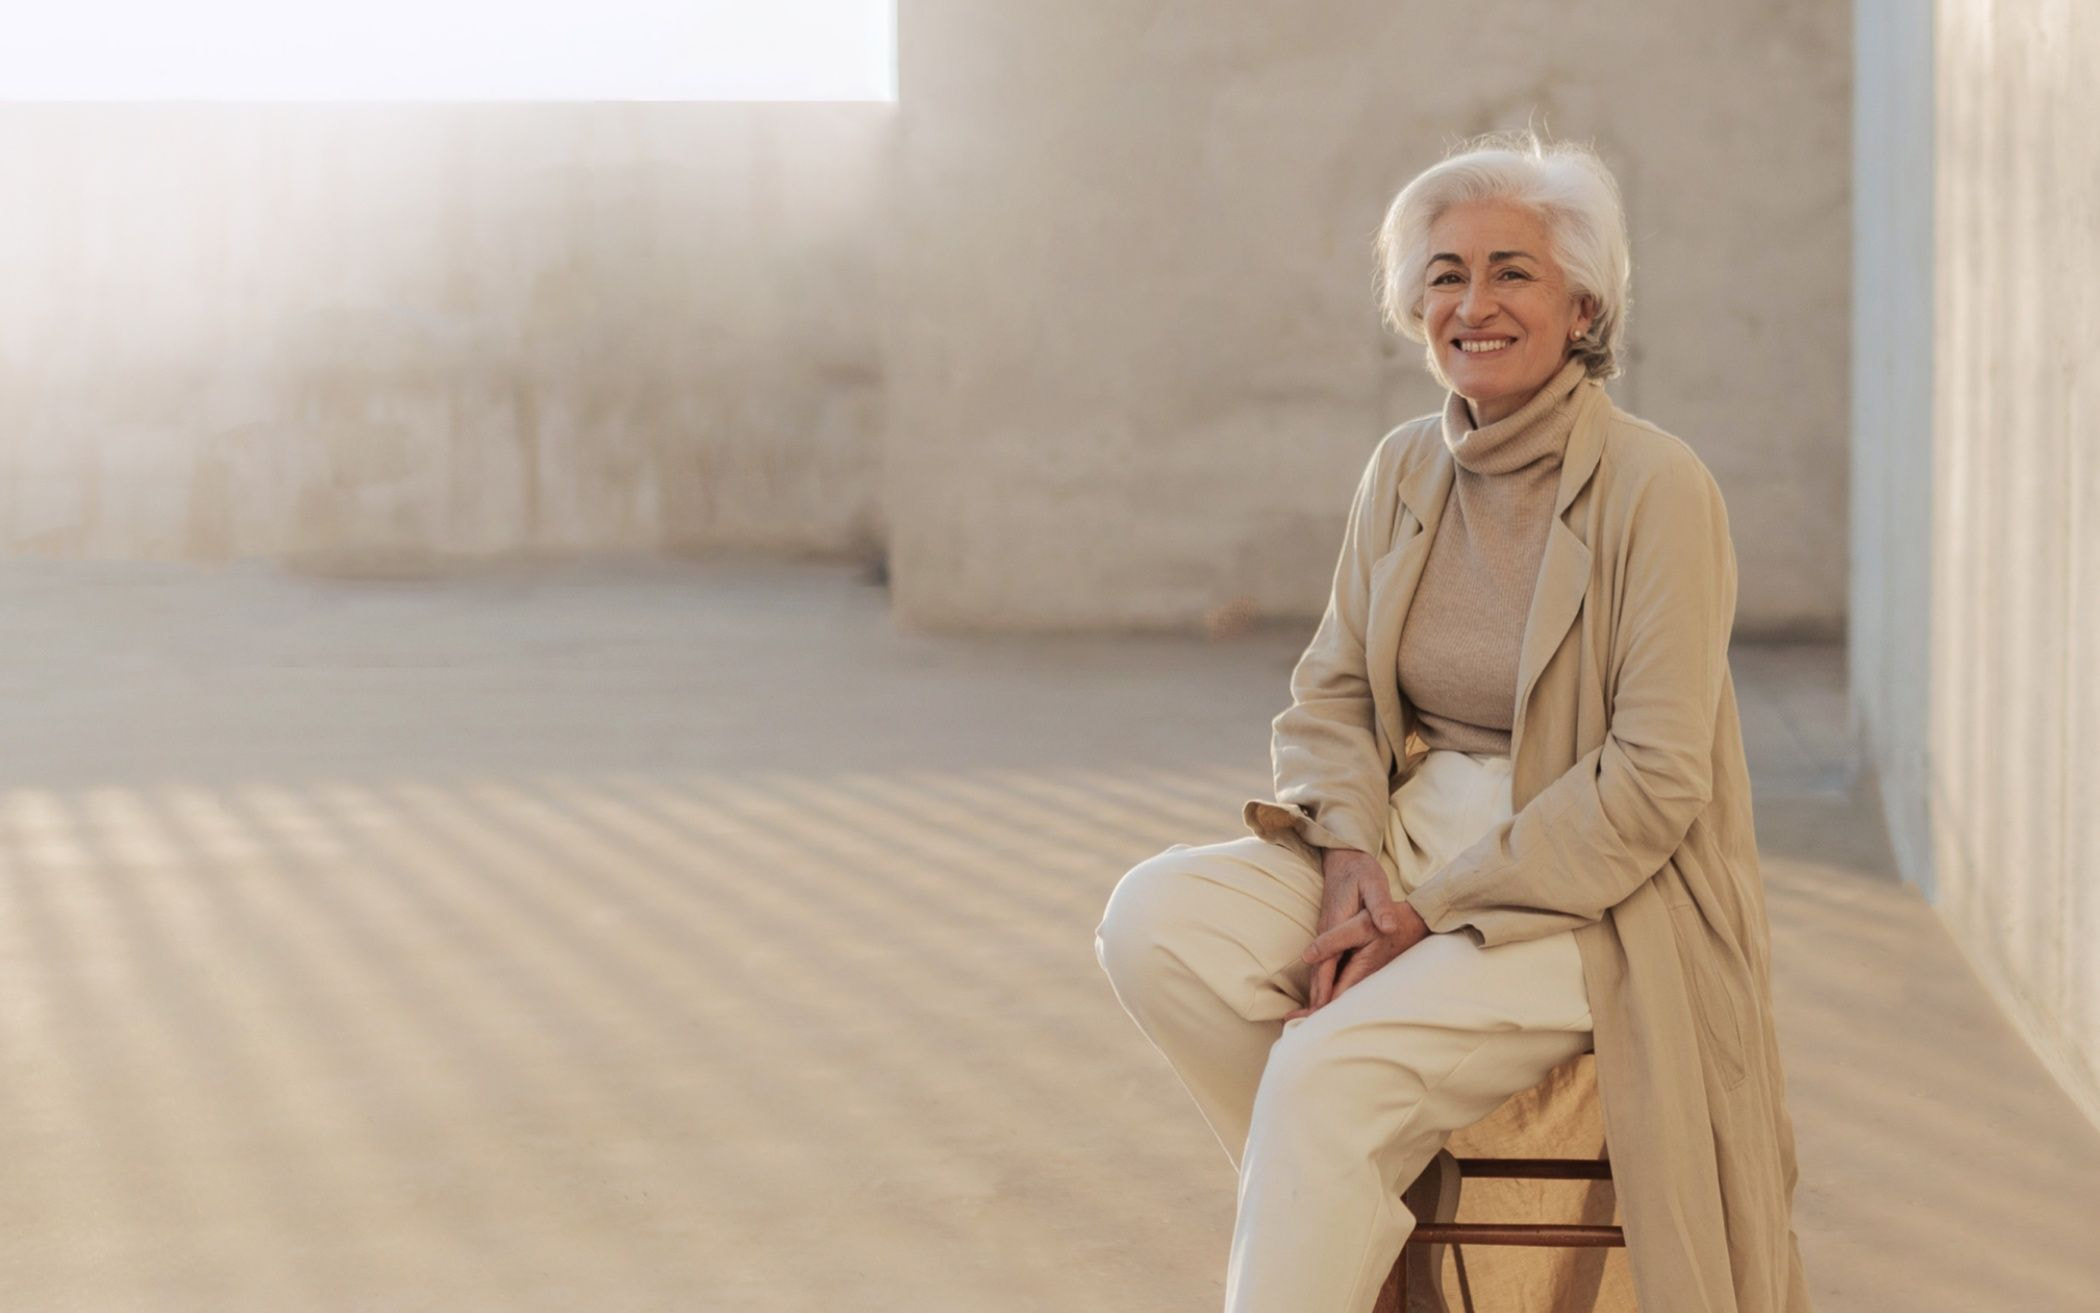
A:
[1711,998]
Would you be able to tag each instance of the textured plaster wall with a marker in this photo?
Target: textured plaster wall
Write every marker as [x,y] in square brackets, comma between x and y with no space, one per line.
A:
[417,330]
[2015,546]
[1133,363]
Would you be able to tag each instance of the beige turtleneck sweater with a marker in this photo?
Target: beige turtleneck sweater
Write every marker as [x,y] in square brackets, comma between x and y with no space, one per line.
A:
[1459,644]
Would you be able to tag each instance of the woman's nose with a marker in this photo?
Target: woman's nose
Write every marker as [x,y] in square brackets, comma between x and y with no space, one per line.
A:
[1476,304]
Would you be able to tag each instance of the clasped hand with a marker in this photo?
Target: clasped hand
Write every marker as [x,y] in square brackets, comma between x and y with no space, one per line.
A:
[1359,919]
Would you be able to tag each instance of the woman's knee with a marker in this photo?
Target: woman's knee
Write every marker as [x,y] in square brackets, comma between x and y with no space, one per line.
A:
[1143,910]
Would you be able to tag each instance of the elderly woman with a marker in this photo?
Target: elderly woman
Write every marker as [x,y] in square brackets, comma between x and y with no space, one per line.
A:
[1511,821]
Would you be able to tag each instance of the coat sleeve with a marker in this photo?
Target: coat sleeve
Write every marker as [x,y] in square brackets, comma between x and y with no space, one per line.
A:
[1329,776]
[1610,822]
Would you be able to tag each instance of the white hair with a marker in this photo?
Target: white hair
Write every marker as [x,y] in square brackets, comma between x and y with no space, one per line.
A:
[1569,187]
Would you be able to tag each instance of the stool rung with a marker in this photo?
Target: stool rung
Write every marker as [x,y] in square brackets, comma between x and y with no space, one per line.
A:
[1538,1169]
[1565,1235]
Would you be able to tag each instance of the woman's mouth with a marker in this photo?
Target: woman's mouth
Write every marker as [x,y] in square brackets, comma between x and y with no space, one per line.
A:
[1485,346]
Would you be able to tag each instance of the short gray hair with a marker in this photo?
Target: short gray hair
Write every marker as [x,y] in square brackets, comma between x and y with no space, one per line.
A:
[1566,183]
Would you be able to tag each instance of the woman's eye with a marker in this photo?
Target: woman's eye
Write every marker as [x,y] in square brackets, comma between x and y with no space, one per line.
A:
[1440,279]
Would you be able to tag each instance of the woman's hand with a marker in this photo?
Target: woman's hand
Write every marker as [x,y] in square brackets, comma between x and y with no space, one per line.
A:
[1355,891]
[1369,948]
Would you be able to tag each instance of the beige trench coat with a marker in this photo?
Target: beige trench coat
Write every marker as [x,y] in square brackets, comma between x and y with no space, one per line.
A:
[1633,828]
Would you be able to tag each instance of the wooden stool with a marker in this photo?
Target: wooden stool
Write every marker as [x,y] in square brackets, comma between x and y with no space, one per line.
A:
[1392,1297]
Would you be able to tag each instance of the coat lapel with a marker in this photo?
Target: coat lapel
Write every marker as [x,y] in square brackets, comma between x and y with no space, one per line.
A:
[1564,570]
[1394,577]
[1563,578]
[1556,599]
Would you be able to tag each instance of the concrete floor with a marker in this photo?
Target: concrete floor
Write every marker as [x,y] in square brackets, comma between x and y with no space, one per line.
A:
[679,936]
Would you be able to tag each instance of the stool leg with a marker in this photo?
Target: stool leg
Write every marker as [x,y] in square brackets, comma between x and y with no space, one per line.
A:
[1392,1296]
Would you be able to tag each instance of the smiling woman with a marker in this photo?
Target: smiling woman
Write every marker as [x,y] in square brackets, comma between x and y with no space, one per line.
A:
[1504,267]
[1499,320]
[1511,815]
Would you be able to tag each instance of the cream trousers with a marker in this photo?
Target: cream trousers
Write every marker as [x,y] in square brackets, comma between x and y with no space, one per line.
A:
[1328,1118]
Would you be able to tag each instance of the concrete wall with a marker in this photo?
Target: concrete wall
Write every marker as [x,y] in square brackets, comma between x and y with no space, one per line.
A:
[2015,508]
[418,330]
[1122,357]
[1133,363]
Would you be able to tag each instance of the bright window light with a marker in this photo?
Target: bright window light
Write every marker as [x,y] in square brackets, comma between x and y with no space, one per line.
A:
[393,50]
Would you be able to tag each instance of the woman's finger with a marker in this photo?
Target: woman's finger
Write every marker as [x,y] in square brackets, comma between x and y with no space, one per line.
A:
[1360,965]
[1321,992]
[1322,984]
[1342,901]
[1352,933]
[1378,901]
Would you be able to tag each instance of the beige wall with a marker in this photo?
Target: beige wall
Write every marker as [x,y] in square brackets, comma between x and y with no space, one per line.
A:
[1133,363]
[1082,331]
[438,329]
[2015,550]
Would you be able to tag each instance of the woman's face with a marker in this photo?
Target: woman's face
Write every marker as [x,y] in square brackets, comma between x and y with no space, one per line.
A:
[1492,280]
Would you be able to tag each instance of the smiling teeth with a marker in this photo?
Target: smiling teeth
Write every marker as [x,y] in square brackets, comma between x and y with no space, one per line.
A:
[1474,346]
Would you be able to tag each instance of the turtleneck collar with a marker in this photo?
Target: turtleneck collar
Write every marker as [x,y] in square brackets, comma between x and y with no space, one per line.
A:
[1535,431]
